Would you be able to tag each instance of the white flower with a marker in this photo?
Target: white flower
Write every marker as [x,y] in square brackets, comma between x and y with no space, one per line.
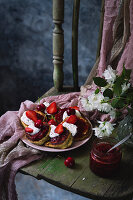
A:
[125,87]
[106,107]
[110,75]
[95,100]
[104,129]
[86,105]
[112,114]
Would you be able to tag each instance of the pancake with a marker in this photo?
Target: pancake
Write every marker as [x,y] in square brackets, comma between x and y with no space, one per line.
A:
[62,141]
[42,136]
[83,129]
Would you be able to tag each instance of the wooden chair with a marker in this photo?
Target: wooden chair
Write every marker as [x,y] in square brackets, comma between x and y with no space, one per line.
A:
[79,180]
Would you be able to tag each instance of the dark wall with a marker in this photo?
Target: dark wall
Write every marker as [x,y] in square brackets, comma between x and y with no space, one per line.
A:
[26,47]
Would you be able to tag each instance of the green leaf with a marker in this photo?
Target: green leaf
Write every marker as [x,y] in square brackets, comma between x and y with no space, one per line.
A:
[97,91]
[117,103]
[117,86]
[126,73]
[114,103]
[100,81]
[108,93]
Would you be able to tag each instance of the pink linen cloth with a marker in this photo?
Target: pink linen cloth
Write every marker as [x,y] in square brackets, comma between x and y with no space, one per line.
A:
[13,153]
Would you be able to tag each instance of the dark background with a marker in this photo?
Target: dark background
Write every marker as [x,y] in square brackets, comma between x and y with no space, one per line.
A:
[26,65]
[26,47]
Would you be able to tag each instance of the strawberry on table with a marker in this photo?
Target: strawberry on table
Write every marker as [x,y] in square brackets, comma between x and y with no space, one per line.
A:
[31,114]
[52,108]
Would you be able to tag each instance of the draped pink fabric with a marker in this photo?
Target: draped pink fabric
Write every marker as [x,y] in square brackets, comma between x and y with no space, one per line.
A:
[111,12]
[127,56]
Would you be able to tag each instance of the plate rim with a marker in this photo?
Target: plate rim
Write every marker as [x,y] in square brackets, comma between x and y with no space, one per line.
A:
[48,149]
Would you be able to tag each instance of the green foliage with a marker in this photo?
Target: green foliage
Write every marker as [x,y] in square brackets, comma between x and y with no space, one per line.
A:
[117,86]
[126,73]
[97,91]
[108,93]
[117,103]
[100,81]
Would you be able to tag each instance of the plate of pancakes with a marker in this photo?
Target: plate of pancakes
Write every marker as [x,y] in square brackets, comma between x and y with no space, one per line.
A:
[52,129]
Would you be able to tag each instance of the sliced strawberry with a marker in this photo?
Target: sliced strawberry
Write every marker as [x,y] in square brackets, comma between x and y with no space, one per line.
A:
[31,114]
[52,108]
[28,130]
[72,119]
[52,122]
[75,107]
[59,129]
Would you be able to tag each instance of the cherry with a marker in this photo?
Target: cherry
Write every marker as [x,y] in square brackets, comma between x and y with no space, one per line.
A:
[38,123]
[41,107]
[69,162]
[52,122]
[71,111]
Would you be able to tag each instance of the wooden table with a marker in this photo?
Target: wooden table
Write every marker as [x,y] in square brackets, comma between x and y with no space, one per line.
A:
[81,179]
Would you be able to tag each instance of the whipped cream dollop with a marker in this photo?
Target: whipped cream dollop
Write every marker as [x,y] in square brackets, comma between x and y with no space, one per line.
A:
[46,104]
[30,124]
[65,115]
[71,127]
[52,131]
[26,120]
[35,129]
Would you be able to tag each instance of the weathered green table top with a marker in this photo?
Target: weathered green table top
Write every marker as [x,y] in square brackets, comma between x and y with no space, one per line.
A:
[81,179]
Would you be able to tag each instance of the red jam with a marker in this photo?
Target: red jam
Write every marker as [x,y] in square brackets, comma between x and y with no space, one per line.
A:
[61,138]
[102,163]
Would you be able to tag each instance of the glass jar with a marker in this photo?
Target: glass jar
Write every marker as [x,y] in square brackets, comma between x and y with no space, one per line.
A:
[102,163]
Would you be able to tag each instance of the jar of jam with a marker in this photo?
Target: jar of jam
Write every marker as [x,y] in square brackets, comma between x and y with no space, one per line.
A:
[102,162]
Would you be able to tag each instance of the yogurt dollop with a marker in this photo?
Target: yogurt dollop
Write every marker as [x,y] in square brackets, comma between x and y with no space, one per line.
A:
[52,132]
[30,124]
[26,120]
[35,129]
[71,127]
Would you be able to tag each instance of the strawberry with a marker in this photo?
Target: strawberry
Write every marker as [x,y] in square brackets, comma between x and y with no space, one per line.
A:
[52,108]
[31,114]
[28,130]
[72,119]
[52,122]
[59,129]
[75,107]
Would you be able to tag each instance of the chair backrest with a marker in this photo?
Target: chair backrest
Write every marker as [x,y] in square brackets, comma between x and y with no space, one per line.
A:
[58,43]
